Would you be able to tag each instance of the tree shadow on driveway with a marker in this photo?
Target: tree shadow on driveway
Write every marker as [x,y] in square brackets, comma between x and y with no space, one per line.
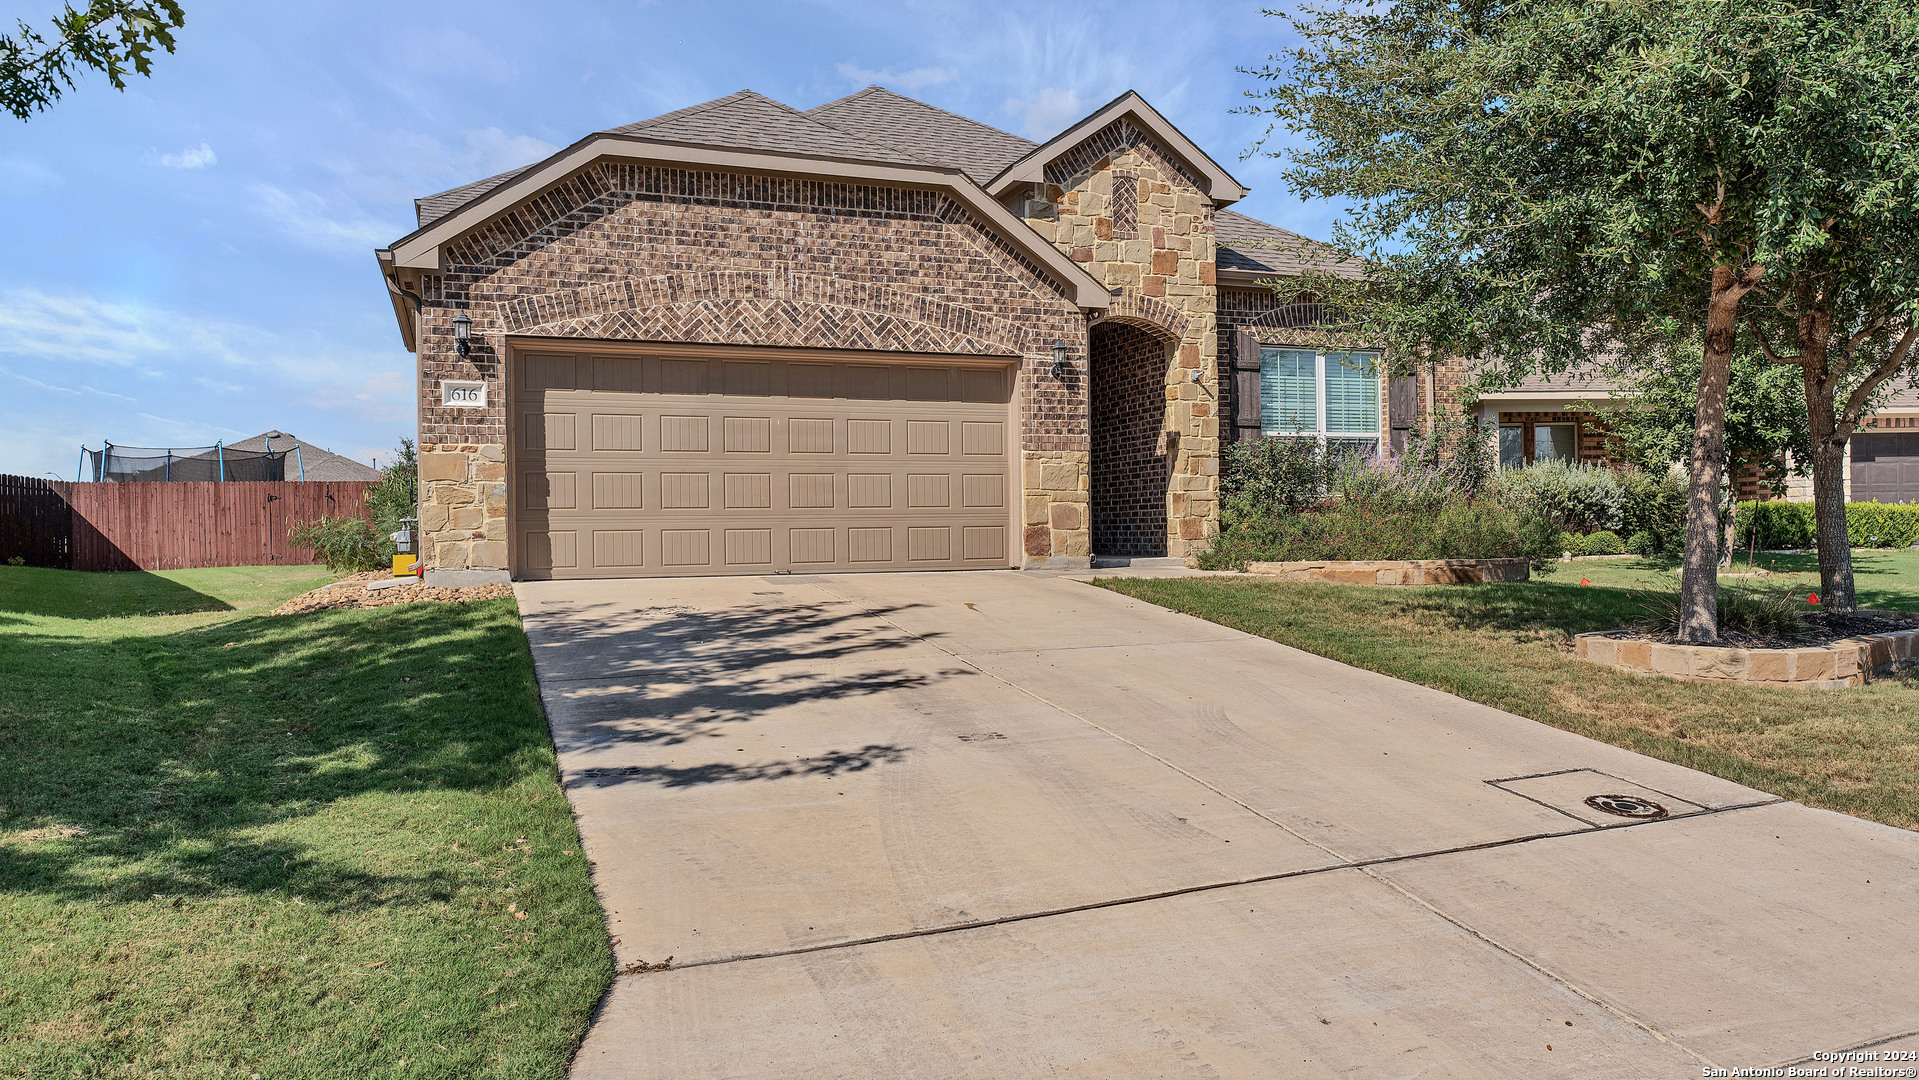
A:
[667,676]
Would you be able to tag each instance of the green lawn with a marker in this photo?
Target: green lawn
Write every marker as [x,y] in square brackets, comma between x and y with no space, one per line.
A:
[1883,579]
[319,845]
[1510,646]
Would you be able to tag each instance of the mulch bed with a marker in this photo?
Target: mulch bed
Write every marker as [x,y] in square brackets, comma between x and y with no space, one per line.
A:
[353,592]
[1822,628]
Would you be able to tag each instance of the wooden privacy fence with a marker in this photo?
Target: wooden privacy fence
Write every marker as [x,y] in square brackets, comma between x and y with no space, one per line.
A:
[36,525]
[174,526]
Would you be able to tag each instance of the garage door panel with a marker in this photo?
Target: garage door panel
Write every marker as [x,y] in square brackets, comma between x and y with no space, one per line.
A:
[638,465]
[1885,468]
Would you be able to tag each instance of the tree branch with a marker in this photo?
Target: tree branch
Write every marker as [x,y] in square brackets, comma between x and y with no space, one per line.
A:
[1765,346]
[1856,401]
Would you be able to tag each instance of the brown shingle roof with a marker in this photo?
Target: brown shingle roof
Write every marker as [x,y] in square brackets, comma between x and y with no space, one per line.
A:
[929,134]
[741,121]
[1247,243]
[434,207]
[750,121]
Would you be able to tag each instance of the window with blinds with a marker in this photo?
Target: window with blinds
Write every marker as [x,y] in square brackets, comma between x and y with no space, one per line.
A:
[1288,391]
[1306,392]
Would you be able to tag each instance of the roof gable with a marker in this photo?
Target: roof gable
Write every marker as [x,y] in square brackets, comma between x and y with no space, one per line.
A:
[1213,180]
[928,133]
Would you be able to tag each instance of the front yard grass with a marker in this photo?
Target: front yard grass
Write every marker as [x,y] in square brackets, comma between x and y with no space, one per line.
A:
[319,845]
[1510,646]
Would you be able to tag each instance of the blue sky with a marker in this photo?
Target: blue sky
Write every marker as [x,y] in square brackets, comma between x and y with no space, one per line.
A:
[191,260]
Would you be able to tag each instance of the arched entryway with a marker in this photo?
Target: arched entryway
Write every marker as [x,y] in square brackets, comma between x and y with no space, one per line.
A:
[1131,451]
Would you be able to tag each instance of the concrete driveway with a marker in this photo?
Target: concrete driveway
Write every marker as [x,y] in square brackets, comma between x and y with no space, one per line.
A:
[977,825]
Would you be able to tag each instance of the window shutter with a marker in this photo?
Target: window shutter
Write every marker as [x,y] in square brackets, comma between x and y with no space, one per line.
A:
[1246,383]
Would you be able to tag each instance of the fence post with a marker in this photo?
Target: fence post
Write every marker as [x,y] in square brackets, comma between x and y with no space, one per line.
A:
[297,460]
[221,449]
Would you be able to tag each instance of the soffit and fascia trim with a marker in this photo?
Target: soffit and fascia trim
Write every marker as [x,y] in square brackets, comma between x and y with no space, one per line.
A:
[420,250]
[1221,188]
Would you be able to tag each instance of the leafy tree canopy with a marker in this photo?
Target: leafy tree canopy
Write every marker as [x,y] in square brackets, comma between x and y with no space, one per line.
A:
[1541,181]
[111,36]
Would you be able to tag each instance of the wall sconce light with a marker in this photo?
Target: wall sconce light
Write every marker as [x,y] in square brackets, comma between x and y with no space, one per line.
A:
[1059,360]
[463,332]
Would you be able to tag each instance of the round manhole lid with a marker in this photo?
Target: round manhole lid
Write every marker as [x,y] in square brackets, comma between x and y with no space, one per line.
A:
[1626,806]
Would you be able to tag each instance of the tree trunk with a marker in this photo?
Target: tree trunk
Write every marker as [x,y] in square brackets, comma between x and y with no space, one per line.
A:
[1699,568]
[1828,494]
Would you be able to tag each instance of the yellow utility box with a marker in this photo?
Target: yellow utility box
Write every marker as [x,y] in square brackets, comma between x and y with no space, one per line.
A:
[405,565]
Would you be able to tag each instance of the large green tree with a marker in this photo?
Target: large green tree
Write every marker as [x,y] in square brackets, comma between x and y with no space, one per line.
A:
[1545,183]
[110,36]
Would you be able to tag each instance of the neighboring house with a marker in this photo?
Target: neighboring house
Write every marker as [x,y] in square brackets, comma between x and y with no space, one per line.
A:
[305,461]
[271,456]
[1541,419]
[742,338]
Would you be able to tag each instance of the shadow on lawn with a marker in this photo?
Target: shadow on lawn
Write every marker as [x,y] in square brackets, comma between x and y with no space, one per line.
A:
[65,594]
[144,765]
[137,766]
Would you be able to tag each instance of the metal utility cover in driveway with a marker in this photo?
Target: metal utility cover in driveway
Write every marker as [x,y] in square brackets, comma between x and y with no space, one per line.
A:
[1007,825]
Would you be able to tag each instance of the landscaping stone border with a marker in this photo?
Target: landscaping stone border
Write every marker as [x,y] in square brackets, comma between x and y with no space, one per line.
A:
[1848,662]
[1399,572]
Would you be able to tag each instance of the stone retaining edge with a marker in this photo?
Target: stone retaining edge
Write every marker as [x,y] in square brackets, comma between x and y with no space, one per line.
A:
[1397,572]
[1848,662]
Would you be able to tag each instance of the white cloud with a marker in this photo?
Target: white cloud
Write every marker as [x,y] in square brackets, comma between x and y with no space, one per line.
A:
[917,79]
[490,151]
[314,221]
[224,360]
[198,157]
[1046,113]
[24,179]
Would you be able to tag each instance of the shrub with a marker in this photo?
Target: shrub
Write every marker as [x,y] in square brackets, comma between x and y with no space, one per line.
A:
[1572,543]
[1602,543]
[1261,476]
[393,497]
[1643,543]
[1576,497]
[345,545]
[1775,613]
[1789,525]
[1655,505]
[1461,529]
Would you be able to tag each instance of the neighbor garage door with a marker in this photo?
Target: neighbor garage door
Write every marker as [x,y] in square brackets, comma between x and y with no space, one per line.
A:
[753,463]
[1885,467]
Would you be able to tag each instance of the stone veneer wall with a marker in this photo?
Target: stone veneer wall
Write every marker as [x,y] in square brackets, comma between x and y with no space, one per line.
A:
[1154,248]
[1129,497]
[633,252]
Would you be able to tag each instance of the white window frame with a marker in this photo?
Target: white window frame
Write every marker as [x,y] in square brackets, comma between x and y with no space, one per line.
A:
[1319,431]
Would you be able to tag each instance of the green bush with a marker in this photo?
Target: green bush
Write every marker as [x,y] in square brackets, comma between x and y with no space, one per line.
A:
[1572,543]
[1789,525]
[1643,543]
[345,545]
[1576,497]
[1461,529]
[1602,543]
[393,497]
[1655,506]
[1261,476]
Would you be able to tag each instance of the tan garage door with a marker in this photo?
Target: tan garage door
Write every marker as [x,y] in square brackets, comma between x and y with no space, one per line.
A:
[642,466]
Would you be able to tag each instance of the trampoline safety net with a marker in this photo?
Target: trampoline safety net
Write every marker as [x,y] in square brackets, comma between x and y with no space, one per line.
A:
[144,464]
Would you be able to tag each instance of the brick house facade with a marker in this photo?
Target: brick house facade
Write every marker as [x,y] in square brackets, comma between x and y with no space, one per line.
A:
[1008,353]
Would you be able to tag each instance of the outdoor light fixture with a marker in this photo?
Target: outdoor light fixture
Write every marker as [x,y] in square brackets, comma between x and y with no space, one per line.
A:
[462,331]
[1059,359]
